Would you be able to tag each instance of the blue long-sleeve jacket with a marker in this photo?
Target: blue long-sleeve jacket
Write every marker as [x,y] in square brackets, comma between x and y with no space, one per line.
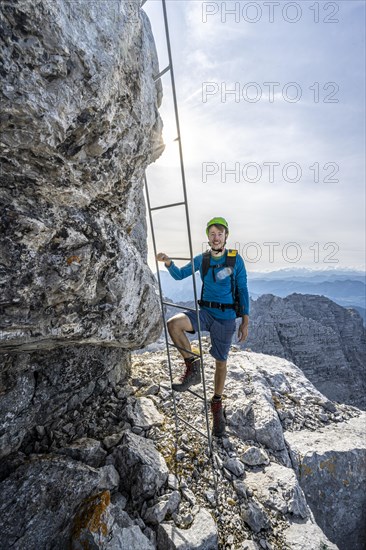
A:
[218,289]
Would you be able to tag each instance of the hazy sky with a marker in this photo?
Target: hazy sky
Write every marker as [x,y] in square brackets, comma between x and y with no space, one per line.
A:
[271,104]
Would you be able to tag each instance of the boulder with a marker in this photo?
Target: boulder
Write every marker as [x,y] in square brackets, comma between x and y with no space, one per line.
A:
[129,538]
[86,450]
[39,499]
[306,535]
[40,387]
[255,516]
[277,488]
[254,456]
[141,412]
[142,468]
[201,535]
[330,465]
[167,504]
[251,417]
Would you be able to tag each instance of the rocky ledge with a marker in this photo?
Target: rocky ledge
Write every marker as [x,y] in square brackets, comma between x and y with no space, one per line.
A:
[137,481]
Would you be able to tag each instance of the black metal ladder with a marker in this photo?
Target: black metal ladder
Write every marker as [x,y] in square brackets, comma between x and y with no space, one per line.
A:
[169,68]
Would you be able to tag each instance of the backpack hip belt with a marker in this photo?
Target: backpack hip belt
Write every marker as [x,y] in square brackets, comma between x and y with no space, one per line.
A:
[216,304]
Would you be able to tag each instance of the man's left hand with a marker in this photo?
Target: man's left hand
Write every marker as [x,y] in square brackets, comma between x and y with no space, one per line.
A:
[242,332]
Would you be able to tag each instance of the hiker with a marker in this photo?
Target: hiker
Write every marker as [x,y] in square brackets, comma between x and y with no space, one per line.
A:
[221,272]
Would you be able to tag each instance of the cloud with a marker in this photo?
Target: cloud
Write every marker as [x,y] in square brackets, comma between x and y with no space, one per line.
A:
[317,135]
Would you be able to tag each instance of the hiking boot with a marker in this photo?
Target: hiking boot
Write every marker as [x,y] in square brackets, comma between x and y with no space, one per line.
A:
[191,377]
[219,422]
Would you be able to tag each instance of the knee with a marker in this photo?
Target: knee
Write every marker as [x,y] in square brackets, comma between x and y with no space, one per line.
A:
[221,365]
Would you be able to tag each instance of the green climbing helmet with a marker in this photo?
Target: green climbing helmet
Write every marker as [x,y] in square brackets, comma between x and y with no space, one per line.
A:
[217,221]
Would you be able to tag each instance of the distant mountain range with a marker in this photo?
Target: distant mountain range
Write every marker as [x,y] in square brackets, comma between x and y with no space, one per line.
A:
[345,287]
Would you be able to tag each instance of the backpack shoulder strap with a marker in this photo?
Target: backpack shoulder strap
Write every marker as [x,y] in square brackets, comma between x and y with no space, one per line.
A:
[206,256]
[230,262]
[205,263]
[231,257]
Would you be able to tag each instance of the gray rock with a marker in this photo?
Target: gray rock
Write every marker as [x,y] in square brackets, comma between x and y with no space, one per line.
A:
[277,488]
[257,420]
[93,523]
[306,534]
[129,538]
[211,497]
[240,489]
[173,482]
[249,545]
[180,454]
[327,341]
[113,440]
[41,385]
[330,465]
[189,495]
[153,389]
[85,450]
[166,504]
[142,468]
[235,466]
[39,500]
[253,456]
[119,501]
[255,516]
[142,413]
[202,535]
[85,118]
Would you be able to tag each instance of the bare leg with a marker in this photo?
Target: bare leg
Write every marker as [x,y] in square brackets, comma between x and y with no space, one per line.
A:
[177,327]
[220,376]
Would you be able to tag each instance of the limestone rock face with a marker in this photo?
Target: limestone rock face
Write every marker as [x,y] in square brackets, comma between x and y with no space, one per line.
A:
[79,126]
[324,339]
[39,387]
[326,466]
[32,518]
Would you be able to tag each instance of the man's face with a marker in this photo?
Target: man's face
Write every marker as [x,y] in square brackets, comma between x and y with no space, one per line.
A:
[216,237]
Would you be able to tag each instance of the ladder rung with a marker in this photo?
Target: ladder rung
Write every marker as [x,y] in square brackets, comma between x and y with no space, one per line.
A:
[191,426]
[167,205]
[185,259]
[196,394]
[179,307]
[167,68]
[183,349]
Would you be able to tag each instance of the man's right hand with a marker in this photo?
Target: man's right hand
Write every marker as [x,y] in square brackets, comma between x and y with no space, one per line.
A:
[161,257]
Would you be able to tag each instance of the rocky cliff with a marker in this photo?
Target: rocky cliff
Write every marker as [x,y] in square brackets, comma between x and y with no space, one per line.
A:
[90,457]
[80,124]
[289,475]
[327,341]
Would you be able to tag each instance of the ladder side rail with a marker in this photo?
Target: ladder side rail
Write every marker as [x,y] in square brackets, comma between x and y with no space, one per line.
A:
[175,101]
[161,302]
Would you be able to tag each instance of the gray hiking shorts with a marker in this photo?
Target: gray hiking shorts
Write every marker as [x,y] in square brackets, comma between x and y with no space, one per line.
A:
[221,332]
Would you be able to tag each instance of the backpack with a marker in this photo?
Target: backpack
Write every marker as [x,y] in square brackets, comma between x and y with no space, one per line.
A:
[230,261]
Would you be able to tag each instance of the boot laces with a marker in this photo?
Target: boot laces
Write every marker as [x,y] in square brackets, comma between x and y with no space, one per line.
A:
[187,372]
